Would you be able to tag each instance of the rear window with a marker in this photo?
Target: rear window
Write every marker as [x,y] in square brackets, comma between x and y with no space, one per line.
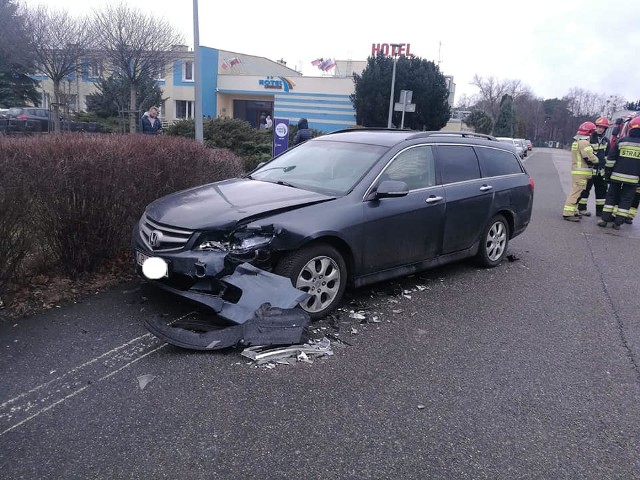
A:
[495,162]
[14,111]
[457,163]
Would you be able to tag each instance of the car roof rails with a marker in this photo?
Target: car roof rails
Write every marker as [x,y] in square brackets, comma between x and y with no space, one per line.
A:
[455,134]
[417,133]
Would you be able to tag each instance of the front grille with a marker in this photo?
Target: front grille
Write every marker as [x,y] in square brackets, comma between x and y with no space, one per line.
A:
[161,238]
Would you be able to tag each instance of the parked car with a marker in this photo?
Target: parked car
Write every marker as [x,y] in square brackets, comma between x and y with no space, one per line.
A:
[38,119]
[515,143]
[523,144]
[352,207]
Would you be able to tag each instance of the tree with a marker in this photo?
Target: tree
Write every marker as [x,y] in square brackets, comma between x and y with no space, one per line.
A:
[505,122]
[16,58]
[60,42]
[493,90]
[480,121]
[635,106]
[423,77]
[136,46]
[113,94]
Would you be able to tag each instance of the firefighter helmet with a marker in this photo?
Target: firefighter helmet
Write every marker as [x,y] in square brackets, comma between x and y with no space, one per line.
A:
[587,128]
[602,122]
[634,123]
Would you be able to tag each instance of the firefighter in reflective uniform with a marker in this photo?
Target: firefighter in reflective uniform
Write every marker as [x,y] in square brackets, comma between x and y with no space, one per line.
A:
[600,145]
[582,162]
[624,164]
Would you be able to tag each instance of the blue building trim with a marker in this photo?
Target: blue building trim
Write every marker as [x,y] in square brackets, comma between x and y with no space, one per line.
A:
[209,81]
[324,112]
[178,67]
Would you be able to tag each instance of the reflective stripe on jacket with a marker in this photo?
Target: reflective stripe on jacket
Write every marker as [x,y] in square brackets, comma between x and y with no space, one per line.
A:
[583,158]
[625,160]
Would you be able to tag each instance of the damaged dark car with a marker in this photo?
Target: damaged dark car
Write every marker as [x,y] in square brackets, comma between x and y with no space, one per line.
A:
[345,209]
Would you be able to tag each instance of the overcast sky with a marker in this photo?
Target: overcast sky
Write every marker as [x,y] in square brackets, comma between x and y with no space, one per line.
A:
[551,46]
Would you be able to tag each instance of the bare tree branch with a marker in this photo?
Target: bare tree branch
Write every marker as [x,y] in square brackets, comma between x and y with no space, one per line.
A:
[135,44]
[60,42]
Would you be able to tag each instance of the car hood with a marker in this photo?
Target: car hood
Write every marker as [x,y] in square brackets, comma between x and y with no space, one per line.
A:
[224,204]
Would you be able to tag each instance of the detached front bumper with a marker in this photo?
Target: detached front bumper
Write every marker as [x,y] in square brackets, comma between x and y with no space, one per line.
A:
[233,290]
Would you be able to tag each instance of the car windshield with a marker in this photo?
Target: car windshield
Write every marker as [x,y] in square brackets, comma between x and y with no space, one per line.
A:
[321,166]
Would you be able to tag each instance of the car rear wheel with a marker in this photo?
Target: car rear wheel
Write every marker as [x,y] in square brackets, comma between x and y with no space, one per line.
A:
[494,242]
[320,271]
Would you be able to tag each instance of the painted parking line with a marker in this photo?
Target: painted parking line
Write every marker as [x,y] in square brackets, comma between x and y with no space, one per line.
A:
[38,400]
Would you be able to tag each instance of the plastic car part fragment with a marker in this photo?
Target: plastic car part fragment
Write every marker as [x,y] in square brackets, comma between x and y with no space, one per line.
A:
[261,354]
[258,287]
[269,326]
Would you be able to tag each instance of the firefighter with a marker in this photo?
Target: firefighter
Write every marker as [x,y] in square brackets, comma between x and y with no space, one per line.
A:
[600,145]
[624,160]
[582,162]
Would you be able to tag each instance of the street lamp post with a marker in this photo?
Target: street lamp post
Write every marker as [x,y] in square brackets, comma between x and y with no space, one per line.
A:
[197,80]
[394,51]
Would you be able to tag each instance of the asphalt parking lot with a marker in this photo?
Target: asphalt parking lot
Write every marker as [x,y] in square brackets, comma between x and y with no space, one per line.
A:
[528,370]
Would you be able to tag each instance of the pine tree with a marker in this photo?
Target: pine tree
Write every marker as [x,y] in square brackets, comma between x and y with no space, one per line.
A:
[505,122]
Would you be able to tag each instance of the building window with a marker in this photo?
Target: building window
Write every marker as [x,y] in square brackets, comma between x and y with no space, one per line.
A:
[184,109]
[159,72]
[187,73]
[95,68]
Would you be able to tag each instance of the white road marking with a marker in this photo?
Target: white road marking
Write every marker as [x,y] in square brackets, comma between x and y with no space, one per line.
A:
[38,400]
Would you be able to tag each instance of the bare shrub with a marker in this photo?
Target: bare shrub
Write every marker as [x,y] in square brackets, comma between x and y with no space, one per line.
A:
[86,191]
[16,235]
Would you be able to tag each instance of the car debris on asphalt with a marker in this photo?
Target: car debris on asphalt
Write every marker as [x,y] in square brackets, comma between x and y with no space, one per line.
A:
[261,354]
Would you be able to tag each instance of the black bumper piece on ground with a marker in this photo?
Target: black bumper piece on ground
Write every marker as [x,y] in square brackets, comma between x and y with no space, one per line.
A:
[269,326]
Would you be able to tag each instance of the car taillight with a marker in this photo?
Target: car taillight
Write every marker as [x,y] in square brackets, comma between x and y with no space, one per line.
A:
[531,184]
[21,117]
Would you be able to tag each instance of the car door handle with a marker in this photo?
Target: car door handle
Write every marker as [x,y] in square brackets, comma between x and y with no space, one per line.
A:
[433,199]
[484,188]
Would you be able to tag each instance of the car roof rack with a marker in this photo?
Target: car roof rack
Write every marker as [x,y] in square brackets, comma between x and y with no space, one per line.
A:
[419,134]
[454,134]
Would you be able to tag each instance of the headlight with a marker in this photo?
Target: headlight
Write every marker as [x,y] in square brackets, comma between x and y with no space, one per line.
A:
[250,242]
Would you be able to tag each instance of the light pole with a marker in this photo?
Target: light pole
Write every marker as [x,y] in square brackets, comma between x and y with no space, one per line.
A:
[394,50]
[197,110]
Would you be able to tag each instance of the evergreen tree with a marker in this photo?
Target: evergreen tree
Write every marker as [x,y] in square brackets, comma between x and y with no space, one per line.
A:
[505,122]
[16,59]
[480,120]
[422,77]
[113,96]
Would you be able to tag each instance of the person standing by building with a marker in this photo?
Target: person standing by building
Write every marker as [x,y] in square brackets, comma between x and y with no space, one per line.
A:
[150,123]
[582,161]
[624,160]
[268,122]
[304,132]
[600,145]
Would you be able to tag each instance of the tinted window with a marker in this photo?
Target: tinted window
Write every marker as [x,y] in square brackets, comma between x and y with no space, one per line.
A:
[494,162]
[414,166]
[457,163]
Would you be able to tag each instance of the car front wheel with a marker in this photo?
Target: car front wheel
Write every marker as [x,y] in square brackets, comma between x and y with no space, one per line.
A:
[494,242]
[320,271]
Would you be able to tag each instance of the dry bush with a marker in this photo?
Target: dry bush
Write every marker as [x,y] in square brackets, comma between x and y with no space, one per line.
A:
[16,235]
[78,196]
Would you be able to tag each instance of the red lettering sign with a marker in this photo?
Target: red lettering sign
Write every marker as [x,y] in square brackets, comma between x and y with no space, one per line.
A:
[387,49]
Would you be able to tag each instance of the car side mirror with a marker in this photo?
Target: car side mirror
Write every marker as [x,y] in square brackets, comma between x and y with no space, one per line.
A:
[391,188]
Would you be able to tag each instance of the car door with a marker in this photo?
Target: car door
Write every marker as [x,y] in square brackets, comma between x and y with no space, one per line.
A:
[405,230]
[468,196]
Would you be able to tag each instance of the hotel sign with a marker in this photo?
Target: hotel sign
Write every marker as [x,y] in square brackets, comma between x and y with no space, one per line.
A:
[392,49]
[276,83]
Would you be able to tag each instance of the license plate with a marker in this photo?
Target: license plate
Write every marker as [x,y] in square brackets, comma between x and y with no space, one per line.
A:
[141,257]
